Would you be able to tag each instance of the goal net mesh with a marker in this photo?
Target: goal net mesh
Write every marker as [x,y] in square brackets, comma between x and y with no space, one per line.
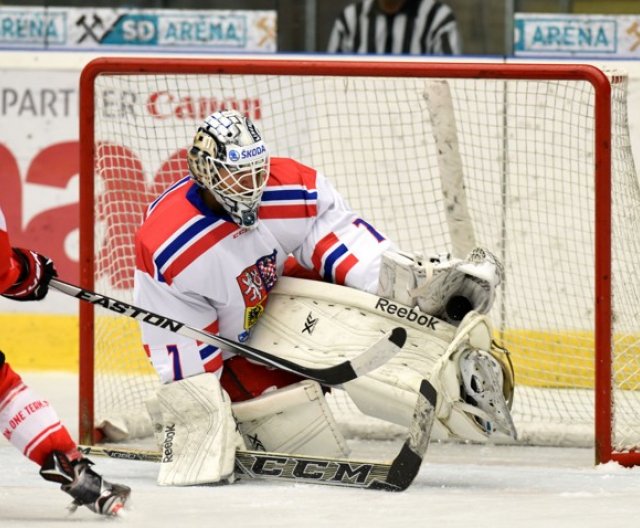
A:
[527,149]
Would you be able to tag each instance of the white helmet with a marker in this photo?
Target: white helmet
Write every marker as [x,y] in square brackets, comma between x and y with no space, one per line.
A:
[229,158]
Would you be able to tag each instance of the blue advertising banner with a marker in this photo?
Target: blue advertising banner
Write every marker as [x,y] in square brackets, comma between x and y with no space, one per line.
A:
[571,35]
[120,29]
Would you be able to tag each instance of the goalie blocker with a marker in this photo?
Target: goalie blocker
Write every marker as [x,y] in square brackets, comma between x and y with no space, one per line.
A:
[317,323]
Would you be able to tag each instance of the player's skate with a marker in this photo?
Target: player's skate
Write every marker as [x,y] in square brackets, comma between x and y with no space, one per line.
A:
[85,486]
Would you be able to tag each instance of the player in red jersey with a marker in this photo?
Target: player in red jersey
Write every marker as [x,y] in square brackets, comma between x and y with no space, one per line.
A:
[29,422]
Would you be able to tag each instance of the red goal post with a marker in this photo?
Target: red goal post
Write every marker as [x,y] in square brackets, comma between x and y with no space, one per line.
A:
[105,108]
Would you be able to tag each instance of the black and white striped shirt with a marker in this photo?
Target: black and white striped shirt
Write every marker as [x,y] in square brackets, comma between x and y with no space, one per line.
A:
[420,27]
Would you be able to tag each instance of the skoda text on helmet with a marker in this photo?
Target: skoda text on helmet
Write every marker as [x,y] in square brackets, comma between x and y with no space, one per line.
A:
[229,158]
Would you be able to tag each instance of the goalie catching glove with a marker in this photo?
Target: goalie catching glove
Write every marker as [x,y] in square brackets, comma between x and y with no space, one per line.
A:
[444,287]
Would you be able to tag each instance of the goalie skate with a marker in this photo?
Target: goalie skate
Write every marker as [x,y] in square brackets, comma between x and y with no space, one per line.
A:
[85,486]
[482,387]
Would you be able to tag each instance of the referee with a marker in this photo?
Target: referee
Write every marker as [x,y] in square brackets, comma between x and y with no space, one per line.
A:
[418,27]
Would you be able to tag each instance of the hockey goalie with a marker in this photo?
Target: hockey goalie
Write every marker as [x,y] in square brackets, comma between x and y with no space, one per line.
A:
[213,249]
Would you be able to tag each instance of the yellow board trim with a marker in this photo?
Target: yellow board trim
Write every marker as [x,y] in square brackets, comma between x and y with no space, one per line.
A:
[558,359]
[123,352]
[565,358]
[40,342]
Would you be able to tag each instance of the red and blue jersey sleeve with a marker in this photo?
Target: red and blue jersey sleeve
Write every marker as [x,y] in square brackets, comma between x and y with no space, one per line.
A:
[341,247]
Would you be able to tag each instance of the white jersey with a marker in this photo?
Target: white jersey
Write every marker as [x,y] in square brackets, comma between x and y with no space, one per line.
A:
[200,268]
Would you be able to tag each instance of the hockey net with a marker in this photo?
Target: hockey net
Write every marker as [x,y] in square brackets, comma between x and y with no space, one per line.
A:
[532,155]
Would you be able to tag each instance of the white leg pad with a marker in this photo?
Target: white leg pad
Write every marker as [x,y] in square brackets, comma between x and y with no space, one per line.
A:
[200,436]
[388,392]
[346,319]
[295,419]
[154,410]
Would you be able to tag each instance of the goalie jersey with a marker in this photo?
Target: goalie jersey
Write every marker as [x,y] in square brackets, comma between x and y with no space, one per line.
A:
[197,266]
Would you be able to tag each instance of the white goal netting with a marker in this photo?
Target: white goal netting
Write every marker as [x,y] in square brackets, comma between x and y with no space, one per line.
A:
[527,149]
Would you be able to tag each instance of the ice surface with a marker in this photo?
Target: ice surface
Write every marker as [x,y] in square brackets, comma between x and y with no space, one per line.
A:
[466,486]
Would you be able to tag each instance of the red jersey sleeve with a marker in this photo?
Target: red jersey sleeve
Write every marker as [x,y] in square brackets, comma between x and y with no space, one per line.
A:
[9,268]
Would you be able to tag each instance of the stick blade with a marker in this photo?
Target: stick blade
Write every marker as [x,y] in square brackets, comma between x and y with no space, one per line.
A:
[406,466]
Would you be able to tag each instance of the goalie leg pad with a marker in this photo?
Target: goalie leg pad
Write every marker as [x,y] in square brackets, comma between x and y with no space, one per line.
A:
[474,384]
[295,419]
[319,324]
[200,436]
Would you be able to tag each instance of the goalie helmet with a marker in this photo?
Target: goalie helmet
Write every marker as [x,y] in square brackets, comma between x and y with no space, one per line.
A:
[229,159]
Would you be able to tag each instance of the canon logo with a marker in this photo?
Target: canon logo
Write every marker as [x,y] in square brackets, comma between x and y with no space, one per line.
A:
[165,105]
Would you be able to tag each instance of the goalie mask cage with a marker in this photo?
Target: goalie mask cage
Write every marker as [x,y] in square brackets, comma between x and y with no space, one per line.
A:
[540,153]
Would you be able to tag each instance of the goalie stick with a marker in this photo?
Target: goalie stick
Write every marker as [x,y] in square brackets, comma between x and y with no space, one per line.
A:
[437,95]
[373,357]
[394,476]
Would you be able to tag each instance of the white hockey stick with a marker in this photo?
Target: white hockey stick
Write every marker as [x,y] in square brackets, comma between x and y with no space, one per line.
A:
[373,357]
[396,475]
